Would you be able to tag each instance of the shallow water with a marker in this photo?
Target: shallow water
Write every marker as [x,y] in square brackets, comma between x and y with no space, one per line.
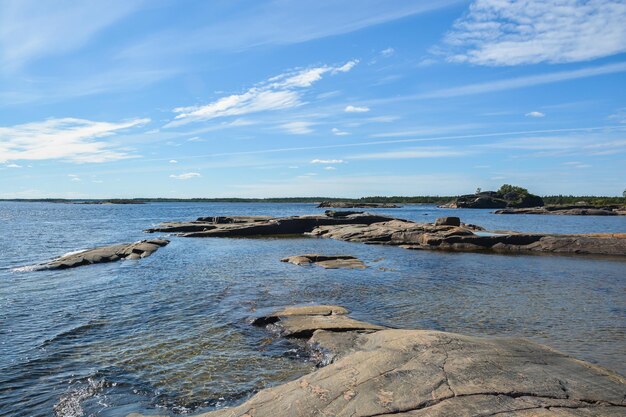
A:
[170,333]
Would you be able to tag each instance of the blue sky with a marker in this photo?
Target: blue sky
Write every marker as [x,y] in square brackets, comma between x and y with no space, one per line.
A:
[131,98]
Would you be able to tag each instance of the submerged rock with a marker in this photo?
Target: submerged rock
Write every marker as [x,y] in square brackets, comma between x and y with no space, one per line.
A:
[425,373]
[326,261]
[136,250]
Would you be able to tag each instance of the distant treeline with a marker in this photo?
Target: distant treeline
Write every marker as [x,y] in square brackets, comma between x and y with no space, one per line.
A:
[549,200]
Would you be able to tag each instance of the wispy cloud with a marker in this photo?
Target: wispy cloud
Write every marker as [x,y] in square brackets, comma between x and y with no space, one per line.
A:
[414,153]
[535,114]
[327,161]
[31,29]
[280,92]
[185,176]
[298,128]
[519,82]
[69,139]
[356,109]
[282,22]
[511,32]
[339,132]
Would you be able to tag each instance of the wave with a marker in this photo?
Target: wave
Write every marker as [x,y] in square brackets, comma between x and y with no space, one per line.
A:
[70,404]
[74,331]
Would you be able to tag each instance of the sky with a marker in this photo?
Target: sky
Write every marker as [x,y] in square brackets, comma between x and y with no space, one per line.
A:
[297,98]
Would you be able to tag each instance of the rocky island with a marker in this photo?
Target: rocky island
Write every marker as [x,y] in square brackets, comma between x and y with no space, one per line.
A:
[445,234]
[506,196]
[369,370]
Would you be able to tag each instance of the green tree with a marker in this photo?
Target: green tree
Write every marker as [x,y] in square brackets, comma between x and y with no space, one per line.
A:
[508,188]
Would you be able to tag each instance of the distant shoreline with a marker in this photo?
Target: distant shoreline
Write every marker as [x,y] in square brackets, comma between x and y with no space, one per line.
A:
[552,200]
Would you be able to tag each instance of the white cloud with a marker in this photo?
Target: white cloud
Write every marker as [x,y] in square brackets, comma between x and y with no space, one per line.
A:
[356,109]
[173,161]
[387,52]
[298,128]
[577,164]
[535,114]
[414,153]
[513,32]
[327,161]
[330,168]
[338,132]
[195,139]
[13,166]
[619,116]
[277,93]
[74,177]
[69,139]
[186,176]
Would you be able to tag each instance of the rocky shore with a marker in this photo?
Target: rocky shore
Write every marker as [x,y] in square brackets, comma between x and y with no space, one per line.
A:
[136,250]
[369,370]
[445,234]
[346,204]
[576,210]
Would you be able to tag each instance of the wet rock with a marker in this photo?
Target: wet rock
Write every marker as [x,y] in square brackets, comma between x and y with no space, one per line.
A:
[325,261]
[425,373]
[136,250]
[302,322]
[448,221]
[347,204]
[314,310]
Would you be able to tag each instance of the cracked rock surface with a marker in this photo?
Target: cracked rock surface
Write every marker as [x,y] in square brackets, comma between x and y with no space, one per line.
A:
[425,373]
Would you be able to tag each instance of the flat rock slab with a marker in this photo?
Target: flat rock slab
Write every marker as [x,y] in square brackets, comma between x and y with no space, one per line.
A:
[326,261]
[305,326]
[423,373]
[314,310]
[568,210]
[136,250]
[241,226]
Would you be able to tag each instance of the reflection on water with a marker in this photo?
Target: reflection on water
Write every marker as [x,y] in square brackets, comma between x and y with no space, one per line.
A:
[170,333]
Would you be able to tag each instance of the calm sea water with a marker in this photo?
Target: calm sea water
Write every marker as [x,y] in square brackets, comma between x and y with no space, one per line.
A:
[169,334]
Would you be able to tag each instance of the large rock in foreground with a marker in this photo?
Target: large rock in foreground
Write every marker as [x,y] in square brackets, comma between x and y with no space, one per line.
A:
[136,250]
[425,373]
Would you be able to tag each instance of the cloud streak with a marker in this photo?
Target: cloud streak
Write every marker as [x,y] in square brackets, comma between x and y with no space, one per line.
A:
[68,139]
[281,92]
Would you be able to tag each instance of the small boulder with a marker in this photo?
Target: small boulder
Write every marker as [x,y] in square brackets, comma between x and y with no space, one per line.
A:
[327,262]
[448,221]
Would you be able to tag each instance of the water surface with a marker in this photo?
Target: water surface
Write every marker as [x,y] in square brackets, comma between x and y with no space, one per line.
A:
[170,333]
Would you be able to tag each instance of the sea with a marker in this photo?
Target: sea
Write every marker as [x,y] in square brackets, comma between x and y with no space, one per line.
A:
[171,334]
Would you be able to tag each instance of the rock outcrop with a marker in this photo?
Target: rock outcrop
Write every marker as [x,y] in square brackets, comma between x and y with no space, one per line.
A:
[378,229]
[347,204]
[373,371]
[136,250]
[256,226]
[577,210]
[326,261]
[466,238]
[506,196]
